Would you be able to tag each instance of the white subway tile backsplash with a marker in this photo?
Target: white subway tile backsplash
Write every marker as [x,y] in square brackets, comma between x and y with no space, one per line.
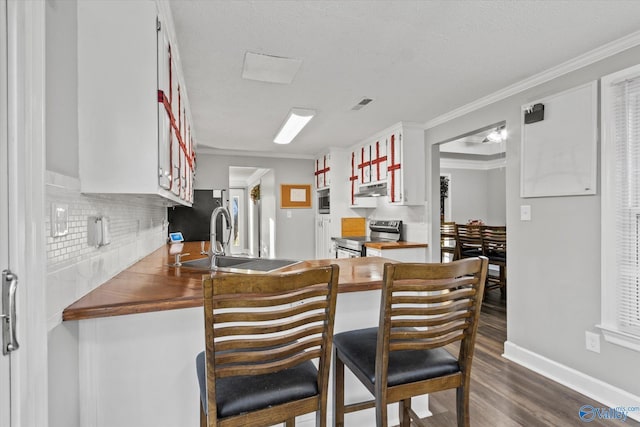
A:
[75,268]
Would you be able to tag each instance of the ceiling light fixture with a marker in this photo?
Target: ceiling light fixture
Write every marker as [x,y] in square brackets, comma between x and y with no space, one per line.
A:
[498,135]
[269,68]
[296,120]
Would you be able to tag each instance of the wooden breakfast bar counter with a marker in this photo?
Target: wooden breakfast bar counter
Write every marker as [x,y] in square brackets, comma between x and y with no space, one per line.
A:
[140,331]
[152,285]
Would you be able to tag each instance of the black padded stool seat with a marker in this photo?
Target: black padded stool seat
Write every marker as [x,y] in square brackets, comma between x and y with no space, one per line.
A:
[470,253]
[497,256]
[236,395]
[359,349]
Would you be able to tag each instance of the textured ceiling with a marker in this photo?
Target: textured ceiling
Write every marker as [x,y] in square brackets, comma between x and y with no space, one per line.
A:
[416,59]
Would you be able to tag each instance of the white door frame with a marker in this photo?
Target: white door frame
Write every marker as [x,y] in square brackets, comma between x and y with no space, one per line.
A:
[5,361]
[26,154]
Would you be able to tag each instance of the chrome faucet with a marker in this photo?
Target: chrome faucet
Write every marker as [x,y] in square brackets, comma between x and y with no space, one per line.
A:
[215,247]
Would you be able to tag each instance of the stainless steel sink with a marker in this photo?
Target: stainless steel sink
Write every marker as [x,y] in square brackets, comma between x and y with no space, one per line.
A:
[239,264]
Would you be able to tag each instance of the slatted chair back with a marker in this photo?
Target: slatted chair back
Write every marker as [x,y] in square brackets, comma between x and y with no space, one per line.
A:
[261,324]
[494,247]
[468,241]
[428,306]
[447,240]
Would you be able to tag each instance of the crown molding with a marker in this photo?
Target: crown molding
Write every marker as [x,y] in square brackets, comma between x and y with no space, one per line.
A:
[200,150]
[472,164]
[574,64]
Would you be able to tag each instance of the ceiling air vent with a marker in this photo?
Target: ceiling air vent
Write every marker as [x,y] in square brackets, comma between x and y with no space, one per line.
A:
[362,103]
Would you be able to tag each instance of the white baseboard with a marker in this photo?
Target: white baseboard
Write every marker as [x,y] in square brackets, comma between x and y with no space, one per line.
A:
[605,393]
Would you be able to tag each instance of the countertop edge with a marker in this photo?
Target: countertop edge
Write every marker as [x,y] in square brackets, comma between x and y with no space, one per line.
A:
[125,309]
[395,245]
[151,285]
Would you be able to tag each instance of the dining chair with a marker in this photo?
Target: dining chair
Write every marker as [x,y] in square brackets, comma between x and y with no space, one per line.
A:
[468,241]
[263,334]
[423,308]
[447,240]
[494,247]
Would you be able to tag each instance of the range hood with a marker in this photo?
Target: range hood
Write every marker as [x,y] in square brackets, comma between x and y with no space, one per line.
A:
[372,190]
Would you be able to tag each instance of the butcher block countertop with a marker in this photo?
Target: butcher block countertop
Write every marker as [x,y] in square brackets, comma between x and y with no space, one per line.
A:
[395,245]
[152,285]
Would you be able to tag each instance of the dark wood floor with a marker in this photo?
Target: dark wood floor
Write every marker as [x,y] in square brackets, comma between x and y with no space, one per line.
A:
[504,393]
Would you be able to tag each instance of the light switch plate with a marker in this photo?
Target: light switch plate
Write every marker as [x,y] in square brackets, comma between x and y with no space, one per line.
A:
[525,213]
[59,219]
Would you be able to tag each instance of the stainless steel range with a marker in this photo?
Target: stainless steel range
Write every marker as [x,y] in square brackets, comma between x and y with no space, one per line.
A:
[379,231]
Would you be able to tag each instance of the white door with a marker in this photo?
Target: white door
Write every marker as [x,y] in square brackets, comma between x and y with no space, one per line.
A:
[5,360]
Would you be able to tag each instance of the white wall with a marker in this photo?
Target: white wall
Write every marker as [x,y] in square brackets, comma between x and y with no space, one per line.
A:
[295,235]
[554,259]
[496,196]
[477,194]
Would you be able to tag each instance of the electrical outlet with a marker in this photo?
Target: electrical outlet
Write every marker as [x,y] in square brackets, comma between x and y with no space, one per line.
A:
[525,213]
[592,341]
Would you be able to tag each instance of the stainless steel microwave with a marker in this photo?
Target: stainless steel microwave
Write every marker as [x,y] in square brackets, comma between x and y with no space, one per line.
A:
[323,201]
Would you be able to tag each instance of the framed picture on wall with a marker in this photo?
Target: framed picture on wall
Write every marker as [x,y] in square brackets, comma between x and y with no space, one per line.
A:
[295,196]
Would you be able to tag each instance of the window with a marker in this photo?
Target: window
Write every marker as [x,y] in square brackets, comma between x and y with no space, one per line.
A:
[621,208]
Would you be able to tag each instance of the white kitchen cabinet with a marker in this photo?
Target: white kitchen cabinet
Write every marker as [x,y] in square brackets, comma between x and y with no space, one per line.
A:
[356,177]
[394,156]
[418,254]
[322,172]
[371,161]
[133,115]
[379,159]
[324,232]
[405,165]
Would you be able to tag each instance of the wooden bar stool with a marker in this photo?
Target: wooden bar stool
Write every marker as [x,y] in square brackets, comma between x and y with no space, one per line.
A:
[447,240]
[424,307]
[494,247]
[468,241]
[263,333]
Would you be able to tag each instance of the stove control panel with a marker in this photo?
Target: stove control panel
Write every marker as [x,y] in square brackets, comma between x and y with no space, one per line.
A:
[386,225]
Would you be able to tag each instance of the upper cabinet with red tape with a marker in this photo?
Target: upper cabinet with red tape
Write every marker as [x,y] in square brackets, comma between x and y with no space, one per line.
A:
[393,158]
[135,128]
[322,173]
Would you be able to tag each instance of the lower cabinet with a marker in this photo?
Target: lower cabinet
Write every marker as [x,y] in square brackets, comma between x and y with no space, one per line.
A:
[324,245]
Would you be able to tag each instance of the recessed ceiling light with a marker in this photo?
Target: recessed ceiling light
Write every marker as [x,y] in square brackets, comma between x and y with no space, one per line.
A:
[295,121]
[268,68]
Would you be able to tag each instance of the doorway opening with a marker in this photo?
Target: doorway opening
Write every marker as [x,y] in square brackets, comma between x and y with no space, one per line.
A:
[474,171]
[472,175]
[252,204]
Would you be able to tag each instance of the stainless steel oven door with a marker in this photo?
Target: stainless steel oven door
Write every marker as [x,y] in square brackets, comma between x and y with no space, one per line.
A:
[346,253]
